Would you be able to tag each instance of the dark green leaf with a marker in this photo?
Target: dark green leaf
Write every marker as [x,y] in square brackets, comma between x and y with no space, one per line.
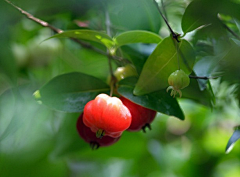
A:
[128,15]
[90,35]
[236,41]
[161,63]
[205,68]
[70,92]
[137,58]
[232,140]
[136,36]
[194,93]
[237,22]
[159,101]
[192,18]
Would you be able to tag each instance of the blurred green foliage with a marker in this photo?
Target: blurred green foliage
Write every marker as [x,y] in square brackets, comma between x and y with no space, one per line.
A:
[38,141]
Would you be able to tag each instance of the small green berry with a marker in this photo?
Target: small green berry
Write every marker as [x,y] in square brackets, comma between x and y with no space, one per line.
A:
[177,81]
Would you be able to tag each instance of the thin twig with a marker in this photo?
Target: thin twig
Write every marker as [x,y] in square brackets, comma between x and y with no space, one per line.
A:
[164,10]
[37,20]
[108,23]
[202,77]
[225,26]
[231,31]
[57,30]
[175,36]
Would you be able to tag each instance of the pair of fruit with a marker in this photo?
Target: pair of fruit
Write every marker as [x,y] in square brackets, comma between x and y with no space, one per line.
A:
[105,118]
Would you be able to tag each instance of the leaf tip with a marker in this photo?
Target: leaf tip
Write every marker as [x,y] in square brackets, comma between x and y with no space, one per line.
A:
[229,148]
[136,91]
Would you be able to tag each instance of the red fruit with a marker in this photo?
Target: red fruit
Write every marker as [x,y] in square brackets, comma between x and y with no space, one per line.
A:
[141,116]
[90,137]
[107,115]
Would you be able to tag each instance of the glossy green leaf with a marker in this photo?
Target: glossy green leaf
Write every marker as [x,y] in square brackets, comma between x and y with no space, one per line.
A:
[161,63]
[136,36]
[70,92]
[90,35]
[159,101]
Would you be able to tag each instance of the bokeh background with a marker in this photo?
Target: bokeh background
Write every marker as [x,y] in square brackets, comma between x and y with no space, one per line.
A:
[38,141]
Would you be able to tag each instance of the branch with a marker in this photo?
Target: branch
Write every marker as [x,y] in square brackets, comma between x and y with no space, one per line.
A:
[57,30]
[175,36]
[164,10]
[202,77]
[31,17]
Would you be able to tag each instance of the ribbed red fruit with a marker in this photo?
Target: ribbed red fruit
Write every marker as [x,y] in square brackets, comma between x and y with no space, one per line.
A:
[107,115]
[90,137]
[141,116]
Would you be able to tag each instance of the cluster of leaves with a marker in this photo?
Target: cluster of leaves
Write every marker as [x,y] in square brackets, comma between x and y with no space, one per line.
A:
[78,88]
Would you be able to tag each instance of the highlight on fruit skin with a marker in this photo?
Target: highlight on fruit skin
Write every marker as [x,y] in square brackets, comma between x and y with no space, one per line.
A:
[177,81]
[106,116]
[90,137]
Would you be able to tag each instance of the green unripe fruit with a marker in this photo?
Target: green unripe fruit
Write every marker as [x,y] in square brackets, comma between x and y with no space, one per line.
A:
[123,72]
[177,81]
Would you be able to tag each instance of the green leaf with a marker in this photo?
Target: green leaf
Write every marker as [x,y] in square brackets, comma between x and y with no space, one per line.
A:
[235,136]
[161,63]
[136,36]
[70,92]
[90,35]
[159,101]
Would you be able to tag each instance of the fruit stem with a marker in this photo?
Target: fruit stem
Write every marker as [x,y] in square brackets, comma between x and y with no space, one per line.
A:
[177,48]
[100,133]
[113,78]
